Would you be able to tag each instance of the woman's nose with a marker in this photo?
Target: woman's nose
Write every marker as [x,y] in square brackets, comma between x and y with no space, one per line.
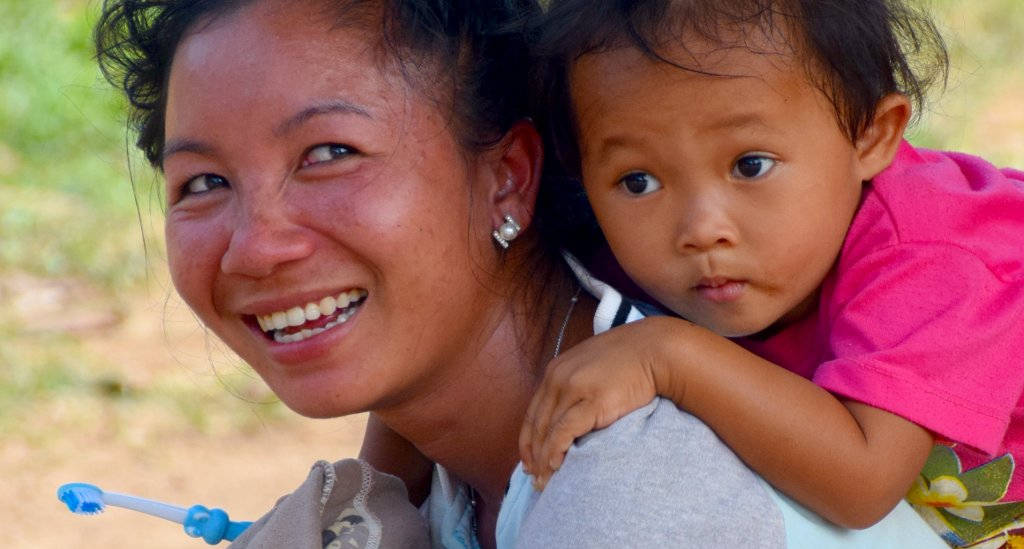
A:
[262,239]
[704,226]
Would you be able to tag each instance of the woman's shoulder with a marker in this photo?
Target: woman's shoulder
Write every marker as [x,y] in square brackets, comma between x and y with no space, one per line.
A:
[657,477]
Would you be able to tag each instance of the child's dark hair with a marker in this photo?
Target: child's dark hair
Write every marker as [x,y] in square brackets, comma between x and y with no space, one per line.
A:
[858,50]
[479,46]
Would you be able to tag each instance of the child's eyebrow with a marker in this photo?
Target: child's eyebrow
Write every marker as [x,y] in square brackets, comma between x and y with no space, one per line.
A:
[735,121]
[616,141]
[603,150]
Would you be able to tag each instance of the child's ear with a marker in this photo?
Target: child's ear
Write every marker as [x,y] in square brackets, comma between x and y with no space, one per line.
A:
[877,144]
[516,175]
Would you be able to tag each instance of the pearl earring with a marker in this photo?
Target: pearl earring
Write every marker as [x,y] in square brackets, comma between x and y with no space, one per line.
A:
[506,232]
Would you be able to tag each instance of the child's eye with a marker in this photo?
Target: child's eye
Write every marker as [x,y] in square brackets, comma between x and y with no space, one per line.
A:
[203,184]
[752,166]
[326,153]
[640,183]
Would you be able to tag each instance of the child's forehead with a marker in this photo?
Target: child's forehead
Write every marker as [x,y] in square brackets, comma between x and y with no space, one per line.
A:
[738,70]
[624,93]
[738,50]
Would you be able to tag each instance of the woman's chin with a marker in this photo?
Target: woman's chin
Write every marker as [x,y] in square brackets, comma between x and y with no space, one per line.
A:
[320,403]
[320,389]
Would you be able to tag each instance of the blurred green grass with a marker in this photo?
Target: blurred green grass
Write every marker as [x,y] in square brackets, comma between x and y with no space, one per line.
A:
[981,111]
[68,209]
[81,252]
[68,214]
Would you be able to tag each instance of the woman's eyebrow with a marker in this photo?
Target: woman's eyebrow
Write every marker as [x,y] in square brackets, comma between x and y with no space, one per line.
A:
[176,146]
[320,109]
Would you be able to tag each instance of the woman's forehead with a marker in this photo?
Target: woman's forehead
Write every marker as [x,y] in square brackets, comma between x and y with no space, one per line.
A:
[262,61]
[261,37]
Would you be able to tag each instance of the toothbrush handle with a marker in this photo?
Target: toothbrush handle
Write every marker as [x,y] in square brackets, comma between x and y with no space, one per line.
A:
[235,529]
[166,511]
[213,525]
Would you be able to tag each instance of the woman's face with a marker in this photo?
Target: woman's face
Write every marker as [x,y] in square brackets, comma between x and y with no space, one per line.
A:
[305,176]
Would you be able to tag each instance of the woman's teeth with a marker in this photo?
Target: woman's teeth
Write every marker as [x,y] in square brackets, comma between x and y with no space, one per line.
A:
[345,304]
[281,337]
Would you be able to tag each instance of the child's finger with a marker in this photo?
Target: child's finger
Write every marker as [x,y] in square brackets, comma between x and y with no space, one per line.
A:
[557,437]
[527,446]
[525,449]
[538,484]
[546,429]
[528,433]
[546,401]
[573,406]
[578,420]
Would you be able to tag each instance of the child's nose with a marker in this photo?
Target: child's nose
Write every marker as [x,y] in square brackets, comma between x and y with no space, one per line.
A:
[704,225]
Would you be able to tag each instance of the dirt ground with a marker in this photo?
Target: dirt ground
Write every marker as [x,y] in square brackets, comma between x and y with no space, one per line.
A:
[243,475]
[243,471]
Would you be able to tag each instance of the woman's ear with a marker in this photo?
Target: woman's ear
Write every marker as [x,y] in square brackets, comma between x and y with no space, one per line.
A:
[517,175]
[877,144]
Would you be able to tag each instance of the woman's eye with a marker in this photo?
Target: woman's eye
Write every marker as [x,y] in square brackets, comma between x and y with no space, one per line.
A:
[639,183]
[203,183]
[752,166]
[326,153]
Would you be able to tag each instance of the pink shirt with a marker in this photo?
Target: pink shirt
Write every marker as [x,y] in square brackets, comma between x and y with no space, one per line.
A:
[923,314]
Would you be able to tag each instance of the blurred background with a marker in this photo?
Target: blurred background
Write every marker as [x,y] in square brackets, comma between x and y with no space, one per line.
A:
[105,377]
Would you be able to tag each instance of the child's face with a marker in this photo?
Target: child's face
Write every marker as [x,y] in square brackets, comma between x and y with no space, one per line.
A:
[726,199]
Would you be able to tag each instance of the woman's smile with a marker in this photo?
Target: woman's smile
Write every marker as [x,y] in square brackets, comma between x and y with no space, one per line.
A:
[302,322]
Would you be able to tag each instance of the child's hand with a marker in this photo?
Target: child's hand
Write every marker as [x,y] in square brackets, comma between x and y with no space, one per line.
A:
[589,387]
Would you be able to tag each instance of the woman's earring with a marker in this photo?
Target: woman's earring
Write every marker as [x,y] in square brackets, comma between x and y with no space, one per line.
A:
[506,232]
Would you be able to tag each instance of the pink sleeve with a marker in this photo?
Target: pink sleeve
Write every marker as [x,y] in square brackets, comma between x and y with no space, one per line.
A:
[928,332]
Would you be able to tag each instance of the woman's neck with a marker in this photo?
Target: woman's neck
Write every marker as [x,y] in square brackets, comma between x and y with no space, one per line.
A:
[469,421]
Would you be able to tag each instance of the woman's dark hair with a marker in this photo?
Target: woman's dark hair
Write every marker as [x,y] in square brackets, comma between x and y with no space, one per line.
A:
[856,51]
[479,45]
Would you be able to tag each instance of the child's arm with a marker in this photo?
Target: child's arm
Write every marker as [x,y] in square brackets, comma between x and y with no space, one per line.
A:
[389,453]
[849,462]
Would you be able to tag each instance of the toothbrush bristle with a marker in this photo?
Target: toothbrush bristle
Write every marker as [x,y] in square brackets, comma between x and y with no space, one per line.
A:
[81,498]
[90,507]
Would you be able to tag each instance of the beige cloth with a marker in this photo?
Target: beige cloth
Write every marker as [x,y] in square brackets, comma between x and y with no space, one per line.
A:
[345,505]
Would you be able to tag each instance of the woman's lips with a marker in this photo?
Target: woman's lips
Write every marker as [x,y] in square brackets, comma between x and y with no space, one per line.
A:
[721,290]
[296,346]
[309,312]
[302,322]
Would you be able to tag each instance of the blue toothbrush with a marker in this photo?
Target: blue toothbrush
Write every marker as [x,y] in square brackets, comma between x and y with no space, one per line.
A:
[210,524]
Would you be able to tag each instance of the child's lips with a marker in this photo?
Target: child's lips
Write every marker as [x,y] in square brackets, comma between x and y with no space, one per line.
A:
[720,289]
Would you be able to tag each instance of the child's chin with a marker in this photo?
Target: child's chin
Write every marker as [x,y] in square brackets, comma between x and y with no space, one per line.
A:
[737,328]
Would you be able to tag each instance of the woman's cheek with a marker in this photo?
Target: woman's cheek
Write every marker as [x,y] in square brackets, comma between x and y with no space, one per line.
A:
[193,258]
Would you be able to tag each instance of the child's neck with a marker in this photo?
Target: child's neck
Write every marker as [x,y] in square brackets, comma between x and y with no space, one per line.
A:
[796,314]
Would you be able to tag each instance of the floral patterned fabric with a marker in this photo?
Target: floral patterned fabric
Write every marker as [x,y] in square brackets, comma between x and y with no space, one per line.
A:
[967,507]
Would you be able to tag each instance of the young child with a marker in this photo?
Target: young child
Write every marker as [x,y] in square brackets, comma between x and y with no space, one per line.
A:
[854,307]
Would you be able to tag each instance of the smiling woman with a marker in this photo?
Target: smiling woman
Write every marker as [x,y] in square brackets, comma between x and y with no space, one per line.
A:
[347,188]
[335,172]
